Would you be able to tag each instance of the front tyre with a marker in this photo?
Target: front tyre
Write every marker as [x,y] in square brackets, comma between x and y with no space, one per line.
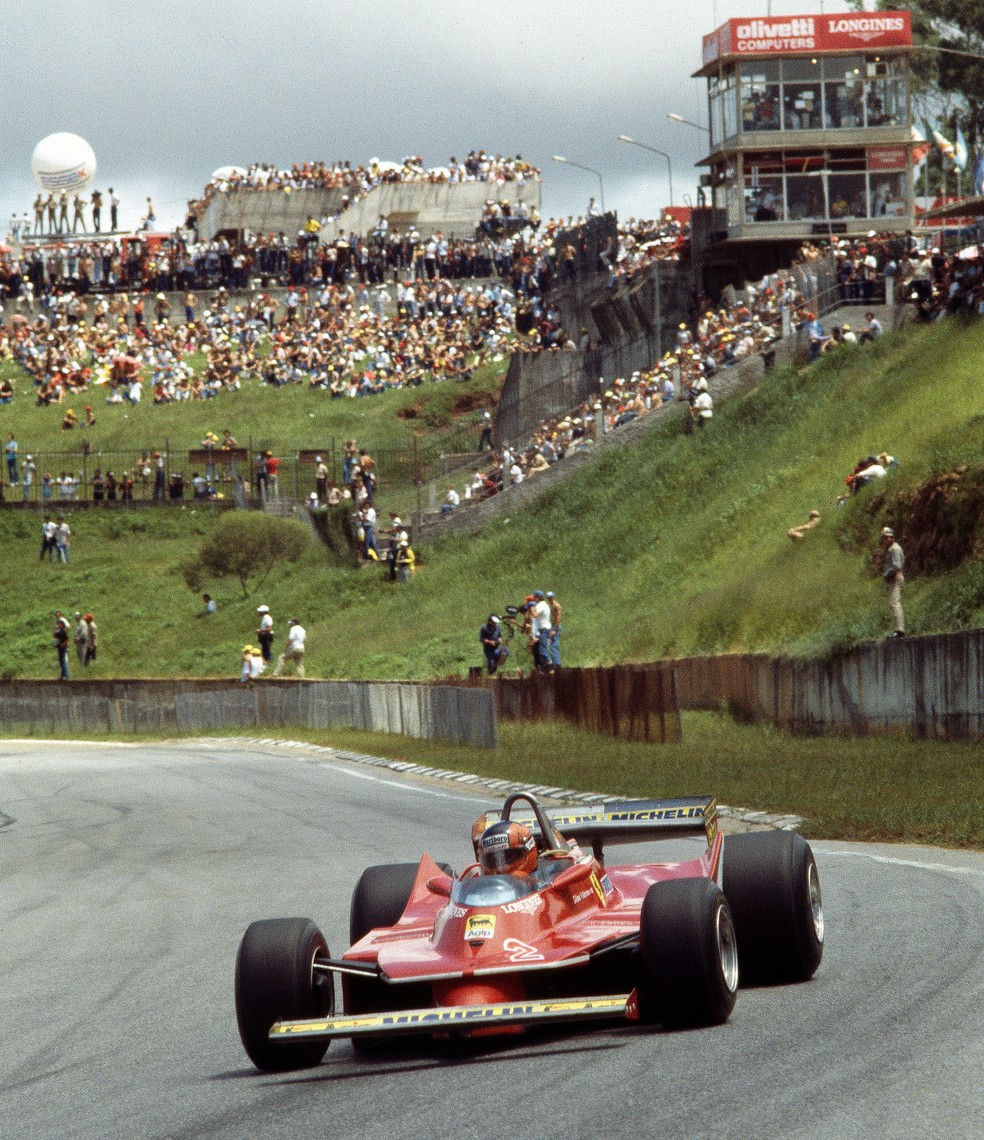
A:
[379,900]
[773,888]
[276,979]
[688,956]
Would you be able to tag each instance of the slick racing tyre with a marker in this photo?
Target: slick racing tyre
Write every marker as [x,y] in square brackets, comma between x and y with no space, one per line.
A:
[380,898]
[275,979]
[773,889]
[688,958]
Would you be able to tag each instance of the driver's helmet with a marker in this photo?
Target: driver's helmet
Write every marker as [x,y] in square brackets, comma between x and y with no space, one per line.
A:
[507,848]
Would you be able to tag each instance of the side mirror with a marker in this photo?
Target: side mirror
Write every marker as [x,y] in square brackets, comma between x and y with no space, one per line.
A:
[440,885]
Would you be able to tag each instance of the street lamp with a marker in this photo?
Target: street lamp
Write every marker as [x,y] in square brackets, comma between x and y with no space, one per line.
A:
[655,150]
[580,166]
[689,122]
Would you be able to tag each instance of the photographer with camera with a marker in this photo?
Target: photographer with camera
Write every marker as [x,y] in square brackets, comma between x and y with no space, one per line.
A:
[493,644]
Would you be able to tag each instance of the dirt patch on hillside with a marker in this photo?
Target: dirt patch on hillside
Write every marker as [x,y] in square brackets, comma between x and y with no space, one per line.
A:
[939,522]
[472,402]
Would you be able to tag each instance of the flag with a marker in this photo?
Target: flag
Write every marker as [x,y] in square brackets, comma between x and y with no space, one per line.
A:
[920,149]
[960,151]
[978,185]
[946,147]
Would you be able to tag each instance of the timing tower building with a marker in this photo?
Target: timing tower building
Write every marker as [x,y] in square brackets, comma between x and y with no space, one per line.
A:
[810,131]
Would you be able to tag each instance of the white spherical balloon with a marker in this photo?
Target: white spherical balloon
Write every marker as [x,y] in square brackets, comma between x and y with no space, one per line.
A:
[63,161]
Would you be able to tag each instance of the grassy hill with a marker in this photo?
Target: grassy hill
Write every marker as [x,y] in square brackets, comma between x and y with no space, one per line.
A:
[676,545]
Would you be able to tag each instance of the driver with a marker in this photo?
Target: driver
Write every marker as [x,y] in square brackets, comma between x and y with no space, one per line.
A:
[505,848]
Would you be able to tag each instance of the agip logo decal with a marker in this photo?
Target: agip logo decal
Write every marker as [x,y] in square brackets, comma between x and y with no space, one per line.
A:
[480,927]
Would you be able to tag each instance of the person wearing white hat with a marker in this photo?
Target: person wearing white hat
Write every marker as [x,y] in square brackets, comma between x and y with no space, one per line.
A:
[321,479]
[894,579]
[265,632]
[28,471]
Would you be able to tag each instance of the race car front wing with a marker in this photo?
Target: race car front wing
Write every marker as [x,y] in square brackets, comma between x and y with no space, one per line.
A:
[452,1018]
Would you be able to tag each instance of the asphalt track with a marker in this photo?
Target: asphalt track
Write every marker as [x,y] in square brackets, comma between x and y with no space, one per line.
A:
[128,874]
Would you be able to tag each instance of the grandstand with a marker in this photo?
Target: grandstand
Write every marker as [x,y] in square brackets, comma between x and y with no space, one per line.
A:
[454,208]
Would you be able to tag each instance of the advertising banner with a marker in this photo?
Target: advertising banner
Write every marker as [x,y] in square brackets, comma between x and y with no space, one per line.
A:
[845,31]
[888,157]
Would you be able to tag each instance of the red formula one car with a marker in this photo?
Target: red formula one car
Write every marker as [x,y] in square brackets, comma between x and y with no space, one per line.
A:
[540,930]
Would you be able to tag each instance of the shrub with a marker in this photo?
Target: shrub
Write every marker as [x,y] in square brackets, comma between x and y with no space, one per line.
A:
[246,545]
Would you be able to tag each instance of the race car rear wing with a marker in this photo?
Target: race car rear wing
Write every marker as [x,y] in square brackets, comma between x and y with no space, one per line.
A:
[633,821]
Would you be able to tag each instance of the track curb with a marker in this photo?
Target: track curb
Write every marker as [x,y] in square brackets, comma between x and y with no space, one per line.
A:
[762,819]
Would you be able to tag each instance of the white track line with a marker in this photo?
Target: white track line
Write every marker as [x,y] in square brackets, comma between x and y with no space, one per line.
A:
[915,863]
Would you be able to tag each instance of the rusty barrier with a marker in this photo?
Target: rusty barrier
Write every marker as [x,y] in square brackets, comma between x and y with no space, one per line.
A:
[634,702]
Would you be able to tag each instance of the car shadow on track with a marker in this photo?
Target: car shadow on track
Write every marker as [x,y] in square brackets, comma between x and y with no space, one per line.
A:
[392,1057]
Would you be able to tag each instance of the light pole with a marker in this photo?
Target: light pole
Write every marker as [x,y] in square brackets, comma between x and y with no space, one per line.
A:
[689,122]
[655,150]
[580,166]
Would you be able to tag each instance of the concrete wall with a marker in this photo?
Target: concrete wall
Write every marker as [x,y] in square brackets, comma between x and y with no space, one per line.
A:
[430,712]
[634,326]
[454,209]
[930,686]
[267,211]
[472,516]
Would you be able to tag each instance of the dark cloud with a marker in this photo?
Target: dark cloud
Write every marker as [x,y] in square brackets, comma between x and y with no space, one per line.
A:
[166,93]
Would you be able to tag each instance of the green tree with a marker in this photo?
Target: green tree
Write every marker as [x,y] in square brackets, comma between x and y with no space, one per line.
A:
[948,60]
[246,545]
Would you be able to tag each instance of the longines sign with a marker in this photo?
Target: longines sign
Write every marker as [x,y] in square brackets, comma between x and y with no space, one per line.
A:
[844,32]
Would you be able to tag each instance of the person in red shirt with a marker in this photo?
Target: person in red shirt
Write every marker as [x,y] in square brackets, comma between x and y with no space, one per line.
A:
[272,468]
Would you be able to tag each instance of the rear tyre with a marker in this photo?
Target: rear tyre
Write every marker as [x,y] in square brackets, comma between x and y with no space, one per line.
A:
[773,888]
[688,957]
[275,978]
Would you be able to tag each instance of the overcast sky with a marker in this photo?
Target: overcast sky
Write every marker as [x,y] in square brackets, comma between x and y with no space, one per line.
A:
[166,93]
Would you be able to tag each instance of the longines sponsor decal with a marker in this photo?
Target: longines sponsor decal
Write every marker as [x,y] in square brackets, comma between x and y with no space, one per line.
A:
[530,905]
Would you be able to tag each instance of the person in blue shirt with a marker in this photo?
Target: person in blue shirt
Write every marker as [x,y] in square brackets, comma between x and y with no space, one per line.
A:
[493,645]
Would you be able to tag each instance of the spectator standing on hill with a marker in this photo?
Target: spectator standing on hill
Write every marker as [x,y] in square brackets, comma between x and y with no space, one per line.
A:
[553,642]
[272,471]
[540,629]
[10,453]
[265,633]
[60,637]
[63,536]
[28,471]
[293,650]
[160,477]
[210,606]
[80,637]
[892,574]
[92,641]
[49,529]
[367,523]
[321,479]
[260,469]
